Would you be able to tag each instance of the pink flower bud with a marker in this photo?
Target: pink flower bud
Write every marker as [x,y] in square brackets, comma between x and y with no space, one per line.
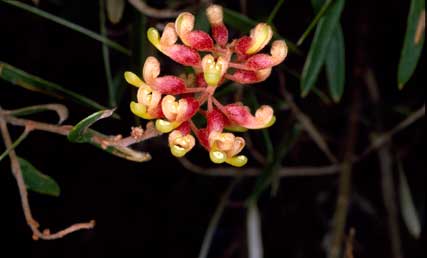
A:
[219,30]
[197,39]
[241,115]
[258,38]
[248,77]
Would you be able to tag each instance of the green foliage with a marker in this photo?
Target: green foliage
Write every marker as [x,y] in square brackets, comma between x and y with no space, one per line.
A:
[335,64]
[319,47]
[37,181]
[413,44]
[80,132]
[30,82]
[68,24]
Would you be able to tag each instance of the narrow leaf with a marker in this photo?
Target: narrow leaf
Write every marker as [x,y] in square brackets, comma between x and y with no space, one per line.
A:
[60,110]
[115,10]
[80,133]
[253,224]
[243,24]
[202,22]
[409,213]
[37,181]
[413,43]
[275,10]
[106,54]
[14,144]
[68,24]
[319,47]
[313,23]
[30,82]
[335,64]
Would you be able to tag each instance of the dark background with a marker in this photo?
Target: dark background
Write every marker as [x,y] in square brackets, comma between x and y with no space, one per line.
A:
[159,209]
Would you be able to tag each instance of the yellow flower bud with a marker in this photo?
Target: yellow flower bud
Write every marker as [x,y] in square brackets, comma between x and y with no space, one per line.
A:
[260,35]
[237,161]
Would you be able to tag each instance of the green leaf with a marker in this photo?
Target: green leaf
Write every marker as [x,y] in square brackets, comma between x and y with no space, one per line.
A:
[253,225]
[316,19]
[30,82]
[413,43]
[275,10]
[409,213]
[335,64]
[244,24]
[79,133]
[37,181]
[60,110]
[106,53]
[319,47]
[14,144]
[68,24]
[115,10]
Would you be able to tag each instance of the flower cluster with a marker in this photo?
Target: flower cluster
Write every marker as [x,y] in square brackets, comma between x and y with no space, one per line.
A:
[173,101]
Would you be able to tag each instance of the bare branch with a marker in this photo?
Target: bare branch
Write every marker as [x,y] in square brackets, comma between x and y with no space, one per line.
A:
[306,121]
[32,223]
[147,10]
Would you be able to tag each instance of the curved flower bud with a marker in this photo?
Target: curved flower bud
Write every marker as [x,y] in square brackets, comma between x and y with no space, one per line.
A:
[197,39]
[179,53]
[219,31]
[240,115]
[180,141]
[224,147]
[213,71]
[248,77]
[133,79]
[279,51]
[176,112]
[166,84]
[258,38]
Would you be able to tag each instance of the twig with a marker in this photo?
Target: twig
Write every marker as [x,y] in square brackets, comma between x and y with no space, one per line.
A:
[385,162]
[250,172]
[344,190]
[386,137]
[147,10]
[150,132]
[16,143]
[306,121]
[32,223]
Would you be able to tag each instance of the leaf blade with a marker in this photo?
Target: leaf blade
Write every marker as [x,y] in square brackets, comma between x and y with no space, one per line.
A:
[335,65]
[69,25]
[80,133]
[36,181]
[409,212]
[412,46]
[317,53]
[31,82]
[253,225]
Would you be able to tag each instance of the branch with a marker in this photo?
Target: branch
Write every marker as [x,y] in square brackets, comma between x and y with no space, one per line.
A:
[306,121]
[147,10]
[250,172]
[32,223]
